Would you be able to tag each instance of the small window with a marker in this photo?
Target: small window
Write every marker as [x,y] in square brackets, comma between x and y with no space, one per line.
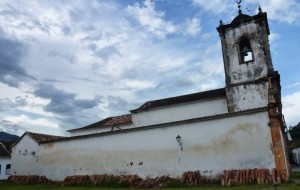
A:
[245,50]
[7,172]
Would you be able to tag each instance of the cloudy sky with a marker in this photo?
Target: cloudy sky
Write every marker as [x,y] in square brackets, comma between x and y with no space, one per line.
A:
[66,64]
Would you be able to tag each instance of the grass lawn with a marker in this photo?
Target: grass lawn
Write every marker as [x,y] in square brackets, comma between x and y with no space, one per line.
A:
[11,186]
[293,184]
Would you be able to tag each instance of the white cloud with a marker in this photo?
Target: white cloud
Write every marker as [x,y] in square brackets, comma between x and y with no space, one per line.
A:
[123,53]
[281,10]
[273,37]
[39,122]
[41,125]
[215,6]
[108,53]
[151,19]
[297,84]
[138,84]
[193,26]
[291,108]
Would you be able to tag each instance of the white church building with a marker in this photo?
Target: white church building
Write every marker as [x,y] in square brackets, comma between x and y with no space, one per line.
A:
[237,127]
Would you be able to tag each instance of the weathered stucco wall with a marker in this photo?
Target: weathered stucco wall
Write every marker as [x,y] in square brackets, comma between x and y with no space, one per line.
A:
[182,112]
[252,70]
[209,146]
[250,96]
[24,162]
[99,130]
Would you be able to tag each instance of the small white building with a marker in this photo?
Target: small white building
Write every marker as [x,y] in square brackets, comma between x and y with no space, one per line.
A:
[236,127]
[5,159]
[25,152]
[296,155]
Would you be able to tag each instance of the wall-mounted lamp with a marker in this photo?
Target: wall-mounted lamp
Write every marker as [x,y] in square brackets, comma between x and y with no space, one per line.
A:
[33,153]
[178,139]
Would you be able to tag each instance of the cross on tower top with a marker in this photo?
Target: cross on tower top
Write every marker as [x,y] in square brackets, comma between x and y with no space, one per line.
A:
[239,6]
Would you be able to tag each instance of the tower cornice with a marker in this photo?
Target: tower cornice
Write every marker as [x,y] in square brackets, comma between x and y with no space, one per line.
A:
[243,18]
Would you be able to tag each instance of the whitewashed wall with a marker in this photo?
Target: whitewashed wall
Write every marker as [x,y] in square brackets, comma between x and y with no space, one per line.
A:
[182,112]
[210,146]
[23,161]
[4,162]
[250,96]
[296,155]
[98,130]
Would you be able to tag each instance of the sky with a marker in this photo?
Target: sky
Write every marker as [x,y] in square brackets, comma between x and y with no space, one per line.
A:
[66,64]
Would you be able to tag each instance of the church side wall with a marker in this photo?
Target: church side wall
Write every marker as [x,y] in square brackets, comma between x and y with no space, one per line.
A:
[23,161]
[239,142]
[182,112]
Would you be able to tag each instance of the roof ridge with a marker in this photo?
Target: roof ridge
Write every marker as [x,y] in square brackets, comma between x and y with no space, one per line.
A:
[29,132]
[179,96]
[209,94]
[40,137]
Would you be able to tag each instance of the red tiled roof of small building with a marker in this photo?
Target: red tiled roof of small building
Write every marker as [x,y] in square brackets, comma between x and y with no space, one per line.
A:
[5,148]
[38,137]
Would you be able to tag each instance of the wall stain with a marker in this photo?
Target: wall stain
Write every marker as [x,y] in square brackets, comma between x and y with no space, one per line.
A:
[48,146]
[230,141]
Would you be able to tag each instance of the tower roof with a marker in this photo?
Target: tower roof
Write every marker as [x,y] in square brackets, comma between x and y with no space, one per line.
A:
[243,18]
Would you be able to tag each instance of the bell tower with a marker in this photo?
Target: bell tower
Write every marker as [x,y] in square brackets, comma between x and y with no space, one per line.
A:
[251,81]
[247,61]
[245,47]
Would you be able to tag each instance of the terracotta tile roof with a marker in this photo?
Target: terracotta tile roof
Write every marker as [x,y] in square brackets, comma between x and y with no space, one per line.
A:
[108,122]
[38,137]
[123,119]
[5,148]
[181,99]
